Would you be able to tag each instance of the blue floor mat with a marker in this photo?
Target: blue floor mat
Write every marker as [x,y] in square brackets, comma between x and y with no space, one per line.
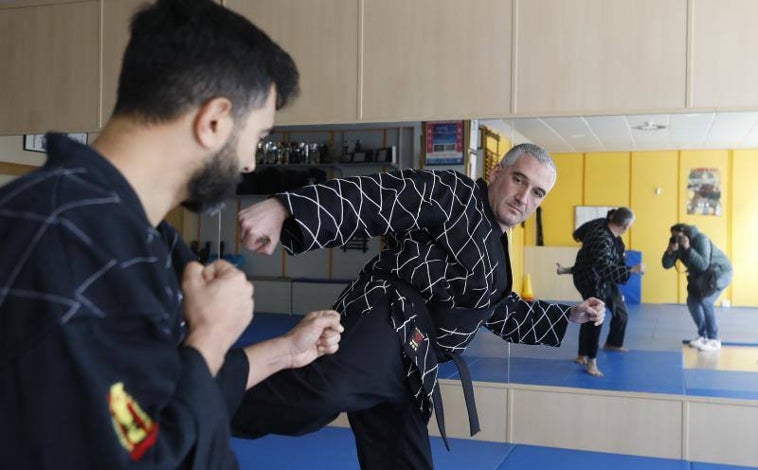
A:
[639,371]
[333,448]
[721,383]
[546,458]
[653,370]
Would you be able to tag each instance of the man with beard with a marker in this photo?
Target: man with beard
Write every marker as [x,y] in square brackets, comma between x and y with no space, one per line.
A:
[115,348]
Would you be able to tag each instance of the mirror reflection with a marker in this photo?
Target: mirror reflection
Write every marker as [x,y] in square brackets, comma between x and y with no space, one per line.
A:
[649,163]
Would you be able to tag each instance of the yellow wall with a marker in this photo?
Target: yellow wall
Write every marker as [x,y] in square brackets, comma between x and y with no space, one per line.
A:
[557,222]
[607,180]
[654,185]
[744,227]
[654,201]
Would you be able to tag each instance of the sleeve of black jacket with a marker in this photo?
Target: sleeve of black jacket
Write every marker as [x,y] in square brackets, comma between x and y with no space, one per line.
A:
[332,213]
[530,322]
[92,374]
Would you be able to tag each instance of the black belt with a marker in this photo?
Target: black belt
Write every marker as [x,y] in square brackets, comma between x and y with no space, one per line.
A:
[468,396]
[425,325]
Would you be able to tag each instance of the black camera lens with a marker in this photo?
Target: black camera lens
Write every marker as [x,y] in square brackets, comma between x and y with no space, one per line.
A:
[673,240]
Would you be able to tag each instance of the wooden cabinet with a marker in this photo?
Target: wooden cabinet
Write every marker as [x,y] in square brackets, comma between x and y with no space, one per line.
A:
[426,59]
[322,38]
[116,17]
[401,60]
[600,56]
[50,56]
[724,63]
[435,59]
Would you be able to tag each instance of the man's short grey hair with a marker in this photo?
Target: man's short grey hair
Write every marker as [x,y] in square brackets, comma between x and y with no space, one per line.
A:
[621,216]
[513,155]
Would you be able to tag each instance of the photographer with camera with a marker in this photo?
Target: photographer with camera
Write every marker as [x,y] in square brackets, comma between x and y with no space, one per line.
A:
[709,272]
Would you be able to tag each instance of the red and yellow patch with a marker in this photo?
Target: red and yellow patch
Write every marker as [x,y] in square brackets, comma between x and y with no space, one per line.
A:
[417,337]
[134,428]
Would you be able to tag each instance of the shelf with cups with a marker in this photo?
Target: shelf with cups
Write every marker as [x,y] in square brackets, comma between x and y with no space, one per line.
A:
[304,153]
[270,178]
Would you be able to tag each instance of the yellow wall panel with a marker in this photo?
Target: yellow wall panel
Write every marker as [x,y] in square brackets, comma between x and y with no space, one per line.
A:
[607,180]
[558,206]
[744,227]
[715,226]
[654,202]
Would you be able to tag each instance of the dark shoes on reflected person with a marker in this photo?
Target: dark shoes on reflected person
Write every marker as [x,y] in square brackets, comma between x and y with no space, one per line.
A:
[608,347]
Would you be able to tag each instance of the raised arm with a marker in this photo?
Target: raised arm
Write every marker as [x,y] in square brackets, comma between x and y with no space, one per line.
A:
[332,213]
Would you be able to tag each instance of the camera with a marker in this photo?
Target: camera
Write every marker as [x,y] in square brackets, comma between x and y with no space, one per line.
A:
[675,239]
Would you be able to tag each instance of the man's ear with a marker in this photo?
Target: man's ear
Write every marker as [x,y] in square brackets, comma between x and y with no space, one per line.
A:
[495,171]
[213,123]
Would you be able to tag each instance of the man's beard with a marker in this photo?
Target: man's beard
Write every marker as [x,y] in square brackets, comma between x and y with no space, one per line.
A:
[215,182]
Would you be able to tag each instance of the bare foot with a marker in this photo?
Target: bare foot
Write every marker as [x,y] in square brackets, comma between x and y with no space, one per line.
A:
[592,369]
[581,360]
[608,347]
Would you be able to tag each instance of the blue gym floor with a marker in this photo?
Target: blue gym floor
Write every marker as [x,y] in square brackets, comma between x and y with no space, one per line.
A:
[332,448]
[654,364]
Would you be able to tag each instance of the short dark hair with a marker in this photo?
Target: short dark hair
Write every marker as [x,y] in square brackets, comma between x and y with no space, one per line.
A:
[620,216]
[680,227]
[182,53]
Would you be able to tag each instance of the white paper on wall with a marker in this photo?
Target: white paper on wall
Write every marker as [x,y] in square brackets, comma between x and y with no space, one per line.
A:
[584,214]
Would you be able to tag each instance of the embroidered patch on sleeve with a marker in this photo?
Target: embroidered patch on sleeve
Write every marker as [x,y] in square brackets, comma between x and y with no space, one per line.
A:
[135,430]
[417,337]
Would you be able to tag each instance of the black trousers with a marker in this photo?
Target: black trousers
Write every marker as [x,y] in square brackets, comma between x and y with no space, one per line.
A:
[589,334]
[366,378]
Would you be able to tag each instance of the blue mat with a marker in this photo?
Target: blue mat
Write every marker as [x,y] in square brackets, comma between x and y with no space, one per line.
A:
[333,448]
[546,458]
[640,371]
[636,371]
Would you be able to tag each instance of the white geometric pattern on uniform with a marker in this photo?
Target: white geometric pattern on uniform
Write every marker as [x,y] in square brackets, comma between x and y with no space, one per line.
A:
[442,239]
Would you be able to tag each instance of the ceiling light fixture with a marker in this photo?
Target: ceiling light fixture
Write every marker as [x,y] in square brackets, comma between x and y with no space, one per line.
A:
[649,126]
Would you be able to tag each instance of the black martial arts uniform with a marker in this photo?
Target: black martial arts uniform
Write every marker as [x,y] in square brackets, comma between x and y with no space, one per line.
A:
[600,266]
[443,273]
[92,371]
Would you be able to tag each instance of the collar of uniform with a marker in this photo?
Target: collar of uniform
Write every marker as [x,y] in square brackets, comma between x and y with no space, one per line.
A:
[64,152]
[482,185]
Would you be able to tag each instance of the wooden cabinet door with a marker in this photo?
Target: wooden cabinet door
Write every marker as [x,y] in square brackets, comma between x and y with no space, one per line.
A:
[117,15]
[600,56]
[50,57]
[322,38]
[724,62]
[435,59]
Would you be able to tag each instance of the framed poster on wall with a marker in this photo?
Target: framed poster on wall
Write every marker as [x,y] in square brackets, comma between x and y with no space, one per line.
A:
[704,192]
[444,143]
